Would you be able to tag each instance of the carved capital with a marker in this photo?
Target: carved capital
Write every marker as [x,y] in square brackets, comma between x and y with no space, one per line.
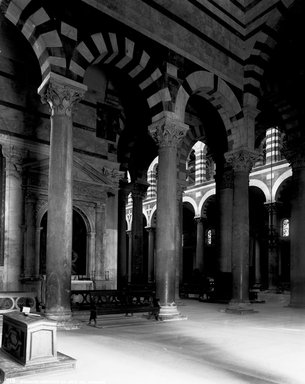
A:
[225,179]
[168,132]
[113,175]
[61,94]
[139,190]
[294,152]
[14,159]
[181,187]
[272,208]
[125,188]
[200,219]
[241,160]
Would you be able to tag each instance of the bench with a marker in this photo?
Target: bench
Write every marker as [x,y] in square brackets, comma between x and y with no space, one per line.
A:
[116,301]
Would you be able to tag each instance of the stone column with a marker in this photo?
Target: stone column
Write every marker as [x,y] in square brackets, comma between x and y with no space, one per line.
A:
[225,210]
[181,185]
[296,157]
[242,161]
[257,262]
[151,249]
[122,251]
[129,255]
[167,132]
[13,240]
[199,261]
[99,244]
[138,275]
[273,256]
[91,236]
[60,93]
[29,267]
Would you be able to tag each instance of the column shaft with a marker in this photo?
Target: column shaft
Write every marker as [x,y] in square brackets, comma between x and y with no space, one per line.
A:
[273,262]
[151,248]
[30,238]
[60,93]
[13,218]
[297,262]
[242,162]
[99,245]
[122,251]
[167,133]
[166,224]
[199,261]
[139,275]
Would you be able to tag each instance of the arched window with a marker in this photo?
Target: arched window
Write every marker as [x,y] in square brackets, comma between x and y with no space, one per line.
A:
[285,228]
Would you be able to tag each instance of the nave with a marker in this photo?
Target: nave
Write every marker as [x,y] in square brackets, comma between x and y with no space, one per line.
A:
[212,347]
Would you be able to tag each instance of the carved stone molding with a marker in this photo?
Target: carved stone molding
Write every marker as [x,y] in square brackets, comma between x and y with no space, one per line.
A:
[241,160]
[61,94]
[113,175]
[168,132]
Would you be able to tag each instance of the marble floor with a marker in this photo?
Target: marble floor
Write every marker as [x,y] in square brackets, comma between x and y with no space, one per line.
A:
[211,347]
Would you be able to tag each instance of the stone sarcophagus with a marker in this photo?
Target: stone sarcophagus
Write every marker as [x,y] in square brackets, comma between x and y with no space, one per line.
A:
[29,339]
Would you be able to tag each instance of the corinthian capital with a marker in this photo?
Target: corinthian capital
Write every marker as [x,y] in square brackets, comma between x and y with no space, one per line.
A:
[241,160]
[61,93]
[14,159]
[168,132]
[294,152]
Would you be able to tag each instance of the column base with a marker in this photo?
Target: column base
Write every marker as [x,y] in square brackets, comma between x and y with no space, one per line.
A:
[170,313]
[294,304]
[59,316]
[240,308]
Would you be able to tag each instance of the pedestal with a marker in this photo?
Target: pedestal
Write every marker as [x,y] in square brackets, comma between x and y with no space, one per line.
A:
[29,339]
[29,346]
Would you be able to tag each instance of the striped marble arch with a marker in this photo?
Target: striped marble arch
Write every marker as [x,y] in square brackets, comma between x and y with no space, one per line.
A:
[126,55]
[39,29]
[260,42]
[220,95]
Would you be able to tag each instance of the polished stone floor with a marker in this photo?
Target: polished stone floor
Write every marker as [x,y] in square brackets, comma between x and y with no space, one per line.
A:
[211,347]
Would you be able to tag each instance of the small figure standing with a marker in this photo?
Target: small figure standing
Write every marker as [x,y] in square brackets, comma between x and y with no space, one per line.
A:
[92,313]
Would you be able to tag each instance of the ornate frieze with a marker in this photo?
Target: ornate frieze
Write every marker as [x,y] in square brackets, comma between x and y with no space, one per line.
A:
[113,175]
[61,94]
[241,160]
[168,132]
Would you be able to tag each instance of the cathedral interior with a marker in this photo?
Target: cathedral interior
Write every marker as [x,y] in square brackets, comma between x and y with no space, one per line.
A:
[155,145]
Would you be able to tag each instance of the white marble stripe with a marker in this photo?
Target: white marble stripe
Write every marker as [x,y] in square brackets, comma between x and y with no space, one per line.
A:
[129,54]
[85,52]
[114,45]
[142,65]
[77,69]
[39,17]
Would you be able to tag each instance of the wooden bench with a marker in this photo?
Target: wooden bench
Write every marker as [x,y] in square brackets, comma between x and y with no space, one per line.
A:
[116,301]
